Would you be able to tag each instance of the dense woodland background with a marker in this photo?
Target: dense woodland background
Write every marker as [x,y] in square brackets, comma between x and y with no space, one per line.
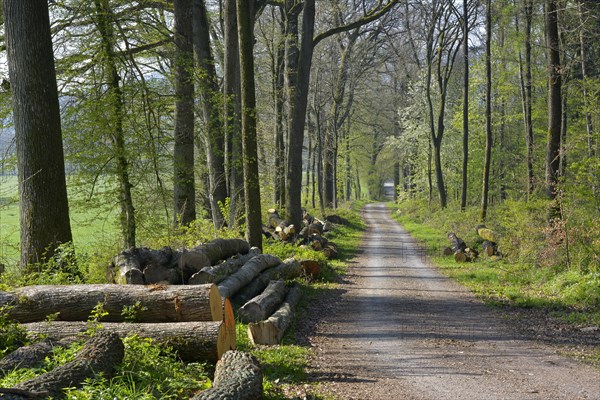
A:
[175,113]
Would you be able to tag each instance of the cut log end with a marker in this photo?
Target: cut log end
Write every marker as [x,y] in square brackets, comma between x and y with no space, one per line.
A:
[216,310]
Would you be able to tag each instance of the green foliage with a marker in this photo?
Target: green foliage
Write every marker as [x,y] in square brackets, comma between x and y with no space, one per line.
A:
[12,335]
[148,371]
[130,313]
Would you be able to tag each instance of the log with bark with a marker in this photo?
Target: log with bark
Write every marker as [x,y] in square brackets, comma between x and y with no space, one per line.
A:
[456,243]
[221,249]
[126,268]
[465,255]
[490,246]
[233,283]
[237,377]
[150,303]
[288,269]
[216,273]
[275,221]
[31,355]
[202,341]
[271,331]
[262,306]
[330,250]
[100,354]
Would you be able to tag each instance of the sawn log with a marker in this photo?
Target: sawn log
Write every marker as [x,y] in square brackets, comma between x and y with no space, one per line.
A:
[75,302]
[243,276]
[193,341]
[271,331]
[262,306]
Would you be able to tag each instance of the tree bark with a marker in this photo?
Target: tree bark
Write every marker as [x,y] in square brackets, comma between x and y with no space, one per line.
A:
[217,273]
[198,341]
[29,356]
[238,376]
[271,331]
[465,162]
[288,269]
[245,275]
[99,355]
[245,17]
[488,113]
[76,302]
[183,146]
[262,306]
[209,93]
[44,208]
[298,104]
[232,114]
[554,104]
[105,20]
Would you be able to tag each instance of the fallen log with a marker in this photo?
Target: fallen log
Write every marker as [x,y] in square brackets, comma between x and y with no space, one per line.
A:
[221,249]
[260,307]
[286,233]
[330,250]
[489,248]
[158,273]
[233,283]
[288,269]
[126,268]
[216,273]
[465,255]
[275,221]
[456,243]
[99,355]
[150,303]
[31,355]
[271,331]
[237,377]
[192,341]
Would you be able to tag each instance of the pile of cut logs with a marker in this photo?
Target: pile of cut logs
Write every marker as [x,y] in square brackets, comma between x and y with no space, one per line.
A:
[464,253]
[254,282]
[312,234]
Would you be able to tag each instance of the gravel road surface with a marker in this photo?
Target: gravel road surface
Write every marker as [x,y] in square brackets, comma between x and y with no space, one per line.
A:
[400,330]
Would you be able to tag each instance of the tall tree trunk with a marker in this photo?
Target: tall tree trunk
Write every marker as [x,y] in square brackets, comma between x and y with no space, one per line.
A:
[209,90]
[105,20]
[232,114]
[183,147]
[348,164]
[44,207]
[465,162]
[586,98]
[554,103]
[488,112]
[298,105]
[528,96]
[245,16]
[278,94]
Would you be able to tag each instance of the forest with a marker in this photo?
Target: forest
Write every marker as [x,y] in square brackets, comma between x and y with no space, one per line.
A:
[170,122]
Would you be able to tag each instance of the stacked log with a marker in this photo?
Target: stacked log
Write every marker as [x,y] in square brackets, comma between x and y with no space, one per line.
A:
[263,305]
[197,341]
[31,355]
[288,269]
[217,273]
[270,331]
[155,303]
[490,245]
[462,253]
[233,283]
[237,376]
[283,229]
[144,266]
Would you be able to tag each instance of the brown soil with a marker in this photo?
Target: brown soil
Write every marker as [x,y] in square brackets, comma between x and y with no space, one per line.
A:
[396,328]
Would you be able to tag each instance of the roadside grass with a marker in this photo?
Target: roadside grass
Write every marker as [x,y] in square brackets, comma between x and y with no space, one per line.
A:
[532,272]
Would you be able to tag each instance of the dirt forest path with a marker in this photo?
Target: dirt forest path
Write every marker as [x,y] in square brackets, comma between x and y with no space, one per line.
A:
[400,330]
